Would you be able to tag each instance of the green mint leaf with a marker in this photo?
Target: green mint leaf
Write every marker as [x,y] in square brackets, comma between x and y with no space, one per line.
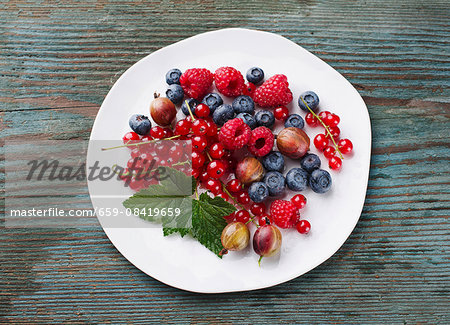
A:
[208,221]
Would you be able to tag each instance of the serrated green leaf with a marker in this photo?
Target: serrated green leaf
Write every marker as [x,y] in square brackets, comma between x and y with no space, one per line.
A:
[208,221]
[173,193]
[182,231]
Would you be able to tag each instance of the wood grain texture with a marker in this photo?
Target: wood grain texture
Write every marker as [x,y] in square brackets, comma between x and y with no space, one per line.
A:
[58,59]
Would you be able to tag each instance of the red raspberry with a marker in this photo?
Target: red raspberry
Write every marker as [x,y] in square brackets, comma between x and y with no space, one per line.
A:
[261,142]
[284,213]
[229,81]
[196,82]
[235,134]
[273,92]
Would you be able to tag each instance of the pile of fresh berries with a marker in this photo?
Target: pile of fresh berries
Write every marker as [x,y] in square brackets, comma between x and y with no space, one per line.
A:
[233,154]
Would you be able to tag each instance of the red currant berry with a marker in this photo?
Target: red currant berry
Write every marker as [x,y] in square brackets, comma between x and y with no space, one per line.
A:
[299,201]
[227,154]
[214,186]
[311,120]
[258,209]
[216,151]
[243,216]
[131,163]
[334,120]
[329,152]
[335,131]
[168,133]
[231,163]
[323,115]
[202,110]
[175,152]
[136,152]
[264,219]
[243,198]
[345,146]
[136,184]
[329,120]
[216,169]
[199,127]
[130,137]
[199,143]
[230,218]
[234,186]
[198,159]
[335,163]
[195,172]
[183,127]
[204,176]
[224,196]
[249,89]
[303,227]
[320,141]
[212,127]
[157,132]
[146,138]
[281,113]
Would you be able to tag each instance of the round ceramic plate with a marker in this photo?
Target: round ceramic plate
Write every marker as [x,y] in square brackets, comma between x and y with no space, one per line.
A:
[183,262]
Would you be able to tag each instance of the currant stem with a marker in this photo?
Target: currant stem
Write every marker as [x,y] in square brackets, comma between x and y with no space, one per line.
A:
[325,126]
[140,143]
[232,197]
[189,109]
[259,261]
[196,193]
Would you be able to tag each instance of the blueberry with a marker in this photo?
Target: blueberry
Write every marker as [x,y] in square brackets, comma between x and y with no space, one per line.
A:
[275,182]
[294,120]
[243,104]
[258,192]
[175,93]
[248,119]
[310,162]
[192,105]
[320,181]
[297,179]
[274,161]
[310,98]
[173,76]
[222,114]
[255,75]
[213,100]
[140,124]
[265,118]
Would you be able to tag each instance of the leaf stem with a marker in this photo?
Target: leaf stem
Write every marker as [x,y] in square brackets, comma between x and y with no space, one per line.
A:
[141,143]
[325,126]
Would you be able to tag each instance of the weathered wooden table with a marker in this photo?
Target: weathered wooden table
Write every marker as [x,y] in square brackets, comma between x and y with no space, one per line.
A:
[58,59]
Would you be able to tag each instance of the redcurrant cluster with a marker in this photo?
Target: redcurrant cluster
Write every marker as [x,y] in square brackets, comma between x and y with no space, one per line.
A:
[322,141]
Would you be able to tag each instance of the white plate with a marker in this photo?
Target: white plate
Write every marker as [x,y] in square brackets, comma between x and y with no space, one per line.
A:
[183,262]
